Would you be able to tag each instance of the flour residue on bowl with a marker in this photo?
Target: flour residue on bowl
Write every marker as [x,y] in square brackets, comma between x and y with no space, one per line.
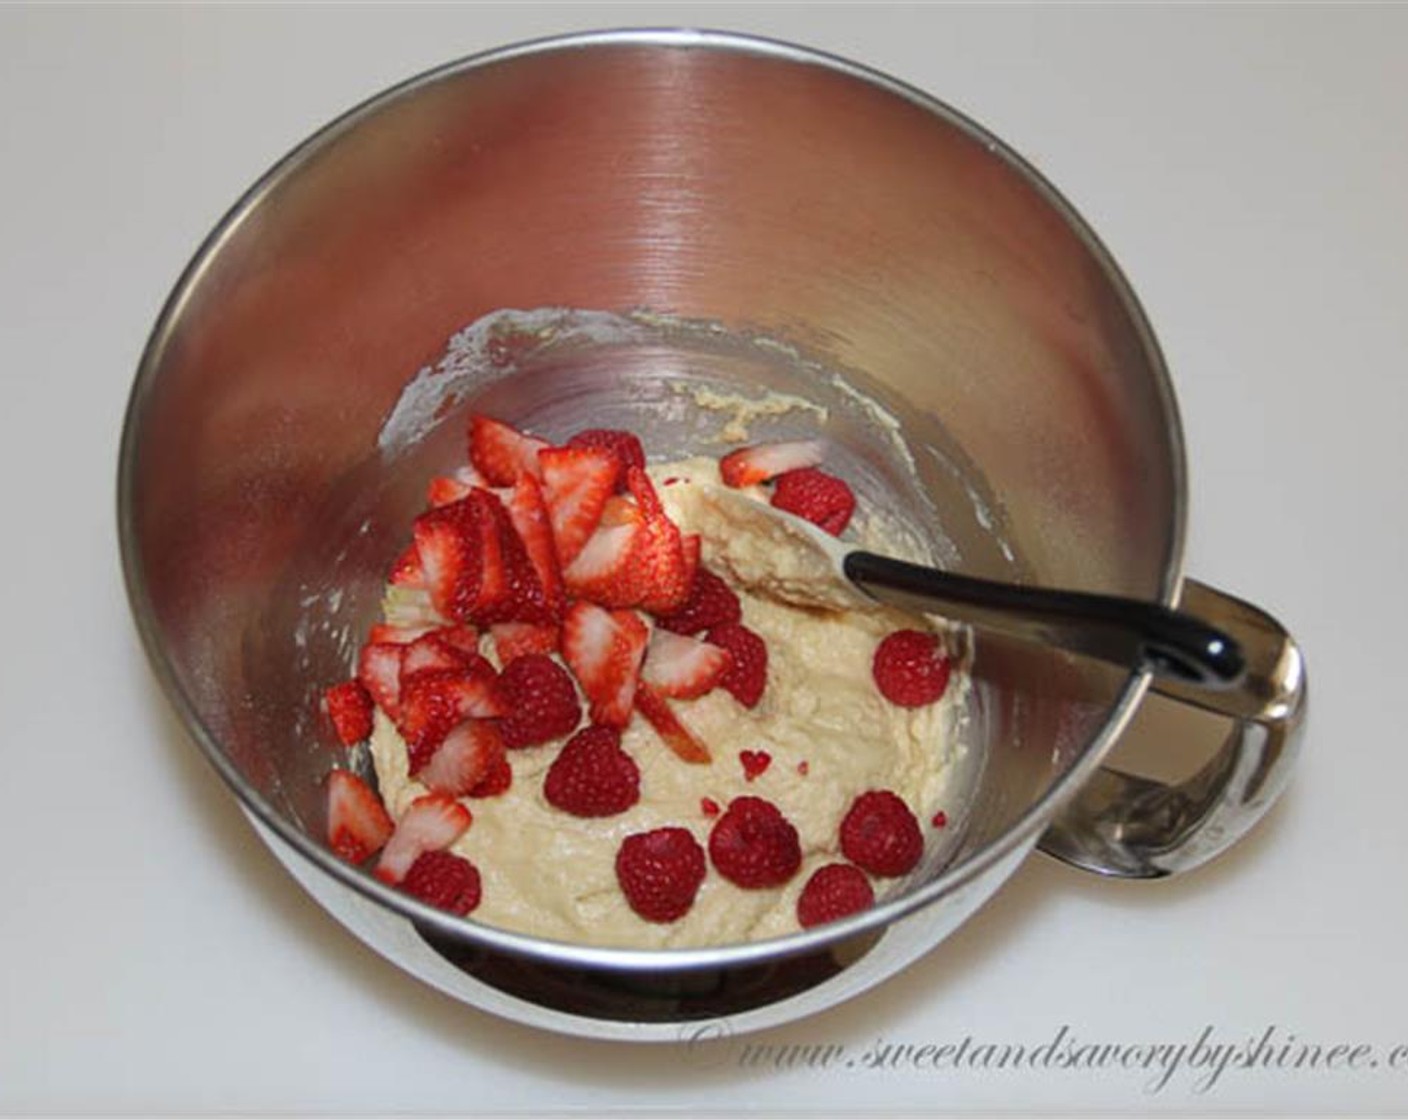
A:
[741,411]
[494,345]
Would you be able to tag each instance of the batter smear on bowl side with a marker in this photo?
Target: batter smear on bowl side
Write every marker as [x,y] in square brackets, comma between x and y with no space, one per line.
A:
[594,717]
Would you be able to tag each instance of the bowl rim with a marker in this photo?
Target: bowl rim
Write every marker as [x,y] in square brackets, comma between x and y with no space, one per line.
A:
[1023,833]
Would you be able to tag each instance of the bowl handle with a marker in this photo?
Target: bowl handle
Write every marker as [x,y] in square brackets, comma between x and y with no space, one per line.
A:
[1124,825]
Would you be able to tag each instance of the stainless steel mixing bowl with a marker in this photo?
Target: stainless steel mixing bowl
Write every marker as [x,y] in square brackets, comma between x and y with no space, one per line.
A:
[699,208]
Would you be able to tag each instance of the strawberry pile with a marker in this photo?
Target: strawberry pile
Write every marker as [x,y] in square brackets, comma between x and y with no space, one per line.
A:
[561,564]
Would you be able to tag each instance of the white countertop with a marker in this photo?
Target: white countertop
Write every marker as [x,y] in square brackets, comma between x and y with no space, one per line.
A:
[1247,166]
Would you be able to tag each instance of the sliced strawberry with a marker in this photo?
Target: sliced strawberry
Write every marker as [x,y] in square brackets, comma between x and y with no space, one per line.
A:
[435,701]
[448,541]
[426,654]
[604,650]
[693,547]
[528,511]
[465,757]
[494,589]
[396,635]
[407,570]
[517,639]
[463,638]
[603,570]
[749,466]
[476,567]
[500,452]
[662,573]
[497,781]
[432,822]
[444,489]
[624,445]
[577,481]
[379,670]
[683,667]
[349,706]
[358,824]
[643,491]
[524,598]
[430,652]
[658,713]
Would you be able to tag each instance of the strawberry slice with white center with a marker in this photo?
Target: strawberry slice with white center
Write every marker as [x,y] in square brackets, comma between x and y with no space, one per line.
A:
[434,701]
[431,652]
[658,713]
[432,822]
[397,635]
[494,587]
[528,511]
[468,753]
[379,670]
[463,638]
[358,824]
[523,597]
[693,548]
[604,650]
[748,466]
[683,667]
[643,491]
[663,577]
[577,481]
[662,573]
[444,489]
[500,452]
[448,542]
[476,567]
[603,571]
[515,639]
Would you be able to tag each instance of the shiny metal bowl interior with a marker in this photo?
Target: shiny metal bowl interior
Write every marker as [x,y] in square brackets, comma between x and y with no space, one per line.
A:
[778,216]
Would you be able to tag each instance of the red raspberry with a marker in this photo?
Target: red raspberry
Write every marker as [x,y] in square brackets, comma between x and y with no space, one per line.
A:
[660,872]
[349,706]
[711,602]
[542,700]
[754,763]
[832,892]
[880,835]
[496,781]
[592,776]
[747,675]
[625,446]
[754,845]
[821,498]
[445,880]
[911,668]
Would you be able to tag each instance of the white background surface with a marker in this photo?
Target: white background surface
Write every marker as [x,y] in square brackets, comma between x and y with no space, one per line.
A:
[1247,166]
